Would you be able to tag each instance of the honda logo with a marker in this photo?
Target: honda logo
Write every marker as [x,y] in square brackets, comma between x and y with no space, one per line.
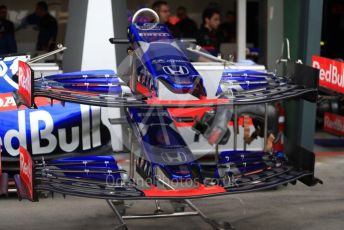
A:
[175,70]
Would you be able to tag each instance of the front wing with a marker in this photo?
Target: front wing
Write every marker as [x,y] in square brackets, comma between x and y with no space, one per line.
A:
[105,88]
[99,178]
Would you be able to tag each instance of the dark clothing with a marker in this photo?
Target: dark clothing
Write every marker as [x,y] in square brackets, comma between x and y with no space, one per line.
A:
[187,28]
[8,26]
[173,29]
[208,40]
[7,44]
[227,32]
[47,26]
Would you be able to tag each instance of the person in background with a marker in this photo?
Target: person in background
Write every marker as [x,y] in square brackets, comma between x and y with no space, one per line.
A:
[46,24]
[186,26]
[7,24]
[207,37]
[8,44]
[227,30]
[163,10]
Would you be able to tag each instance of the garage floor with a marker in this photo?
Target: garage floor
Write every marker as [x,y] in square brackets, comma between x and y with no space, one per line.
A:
[292,207]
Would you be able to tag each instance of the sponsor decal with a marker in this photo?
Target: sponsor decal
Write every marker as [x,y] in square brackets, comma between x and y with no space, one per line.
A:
[175,70]
[25,83]
[58,129]
[334,123]
[50,128]
[150,26]
[331,73]
[8,68]
[26,174]
[154,34]
[7,102]
[172,61]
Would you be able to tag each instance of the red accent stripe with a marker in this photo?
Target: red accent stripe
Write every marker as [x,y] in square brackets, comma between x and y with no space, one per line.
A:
[122,161]
[41,101]
[7,102]
[183,124]
[71,91]
[196,113]
[199,191]
[187,112]
[143,90]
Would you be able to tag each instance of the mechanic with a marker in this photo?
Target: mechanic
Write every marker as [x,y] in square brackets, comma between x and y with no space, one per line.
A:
[207,36]
[227,30]
[7,42]
[47,26]
[163,10]
[186,26]
[7,24]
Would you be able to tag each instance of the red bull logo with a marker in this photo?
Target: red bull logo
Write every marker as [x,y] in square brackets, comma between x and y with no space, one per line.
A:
[331,73]
[64,128]
[25,83]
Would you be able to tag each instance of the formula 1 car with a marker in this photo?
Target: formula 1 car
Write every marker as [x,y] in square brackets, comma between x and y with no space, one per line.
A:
[165,90]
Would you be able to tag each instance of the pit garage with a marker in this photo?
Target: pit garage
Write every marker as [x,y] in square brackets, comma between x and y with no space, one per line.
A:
[171,114]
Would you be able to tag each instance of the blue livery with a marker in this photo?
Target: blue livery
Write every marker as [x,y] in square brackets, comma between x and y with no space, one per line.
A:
[164,60]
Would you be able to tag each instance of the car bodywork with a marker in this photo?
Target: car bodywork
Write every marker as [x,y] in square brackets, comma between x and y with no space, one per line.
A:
[157,59]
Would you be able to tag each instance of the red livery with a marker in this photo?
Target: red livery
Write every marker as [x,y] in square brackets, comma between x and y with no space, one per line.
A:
[331,73]
[24,181]
[334,123]
[25,83]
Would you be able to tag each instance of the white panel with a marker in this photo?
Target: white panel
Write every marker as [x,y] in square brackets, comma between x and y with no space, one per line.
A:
[241,29]
[98,53]
[72,57]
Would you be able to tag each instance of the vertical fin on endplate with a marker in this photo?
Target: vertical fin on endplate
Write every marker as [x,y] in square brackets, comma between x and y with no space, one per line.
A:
[25,85]
[25,181]
[3,178]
